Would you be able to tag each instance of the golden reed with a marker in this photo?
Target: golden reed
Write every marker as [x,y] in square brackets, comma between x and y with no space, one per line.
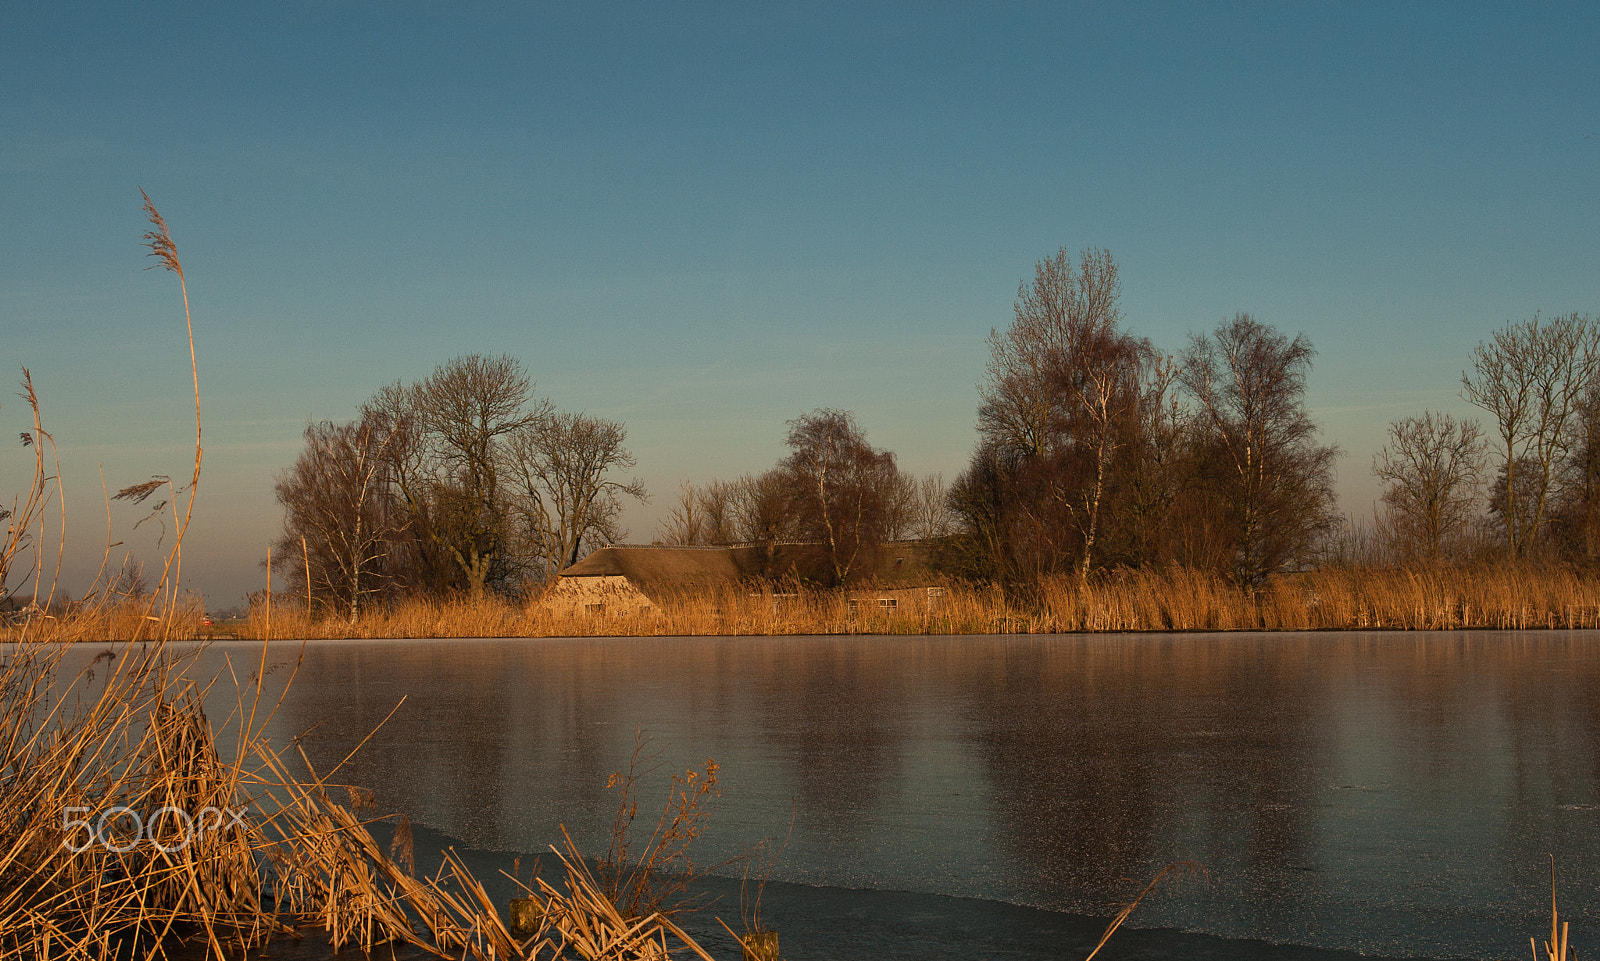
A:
[126,831]
[1499,597]
[132,823]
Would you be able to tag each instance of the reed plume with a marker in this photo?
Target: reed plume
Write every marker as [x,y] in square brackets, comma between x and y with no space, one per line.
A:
[159,240]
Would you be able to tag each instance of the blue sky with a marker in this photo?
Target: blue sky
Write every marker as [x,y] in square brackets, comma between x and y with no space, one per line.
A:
[703,220]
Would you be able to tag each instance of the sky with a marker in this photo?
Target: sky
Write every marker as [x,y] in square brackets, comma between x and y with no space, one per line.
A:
[704,220]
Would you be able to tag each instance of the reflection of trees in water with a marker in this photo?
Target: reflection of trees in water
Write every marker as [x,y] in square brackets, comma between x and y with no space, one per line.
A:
[839,716]
[1110,758]
[414,761]
[515,738]
[494,741]
[1497,725]
[1096,759]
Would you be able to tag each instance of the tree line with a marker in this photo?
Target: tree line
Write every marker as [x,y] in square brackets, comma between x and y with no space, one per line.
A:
[462,482]
[1095,451]
[1526,486]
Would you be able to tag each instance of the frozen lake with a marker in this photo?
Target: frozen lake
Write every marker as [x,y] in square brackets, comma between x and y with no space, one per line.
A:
[1382,793]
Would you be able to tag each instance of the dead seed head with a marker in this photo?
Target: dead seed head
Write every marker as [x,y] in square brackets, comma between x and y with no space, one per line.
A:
[159,240]
[139,492]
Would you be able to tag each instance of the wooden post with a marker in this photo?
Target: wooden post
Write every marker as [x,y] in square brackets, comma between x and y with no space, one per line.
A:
[761,946]
[269,593]
[527,915]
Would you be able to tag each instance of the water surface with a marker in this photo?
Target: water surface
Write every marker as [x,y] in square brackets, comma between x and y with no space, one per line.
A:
[1390,794]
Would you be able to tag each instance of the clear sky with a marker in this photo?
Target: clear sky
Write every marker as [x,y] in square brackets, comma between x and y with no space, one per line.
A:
[704,220]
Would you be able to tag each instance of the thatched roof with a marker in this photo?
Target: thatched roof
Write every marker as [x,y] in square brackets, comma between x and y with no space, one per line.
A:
[655,570]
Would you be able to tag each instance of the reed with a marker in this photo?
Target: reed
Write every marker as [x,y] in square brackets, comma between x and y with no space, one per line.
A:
[1555,949]
[653,877]
[125,830]
[1497,597]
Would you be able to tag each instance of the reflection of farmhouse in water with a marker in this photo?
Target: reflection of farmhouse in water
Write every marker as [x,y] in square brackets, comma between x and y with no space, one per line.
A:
[632,580]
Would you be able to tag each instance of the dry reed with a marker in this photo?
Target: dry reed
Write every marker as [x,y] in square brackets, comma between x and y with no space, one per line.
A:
[1555,949]
[655,876]
[1499,597]
[125,831]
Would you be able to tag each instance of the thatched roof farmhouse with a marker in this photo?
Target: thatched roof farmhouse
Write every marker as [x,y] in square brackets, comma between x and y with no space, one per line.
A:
[623,580]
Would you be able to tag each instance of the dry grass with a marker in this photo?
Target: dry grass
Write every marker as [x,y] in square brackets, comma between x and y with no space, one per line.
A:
[1556,948]
[124,832]
[1500,597]
[654,877]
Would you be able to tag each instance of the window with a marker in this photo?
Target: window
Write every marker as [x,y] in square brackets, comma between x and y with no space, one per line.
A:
[594,607]
[889,603]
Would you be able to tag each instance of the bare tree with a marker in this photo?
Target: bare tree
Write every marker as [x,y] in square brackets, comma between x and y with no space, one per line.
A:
[566,495]
[1577,511]
[129,581]
[1064,388]
[719,504]
[685,523]
[1065,307]
[900,512]
[1529,377]
[1106,391]
[931,518]
[918,508]
[423,559]
[1432,468]
[995,539]
[1515,498]
[761,508]
[1149,474]
[450,432]
[840,485]
[1274,482]
[340,521]
[705,515]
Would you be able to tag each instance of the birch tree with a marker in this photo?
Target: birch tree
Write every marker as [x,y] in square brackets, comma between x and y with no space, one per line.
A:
[1275,482]
[840,486]
[1061,399]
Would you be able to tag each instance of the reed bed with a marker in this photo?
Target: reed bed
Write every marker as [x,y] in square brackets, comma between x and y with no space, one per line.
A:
[1499,597]
[1502,597]
[125,831]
